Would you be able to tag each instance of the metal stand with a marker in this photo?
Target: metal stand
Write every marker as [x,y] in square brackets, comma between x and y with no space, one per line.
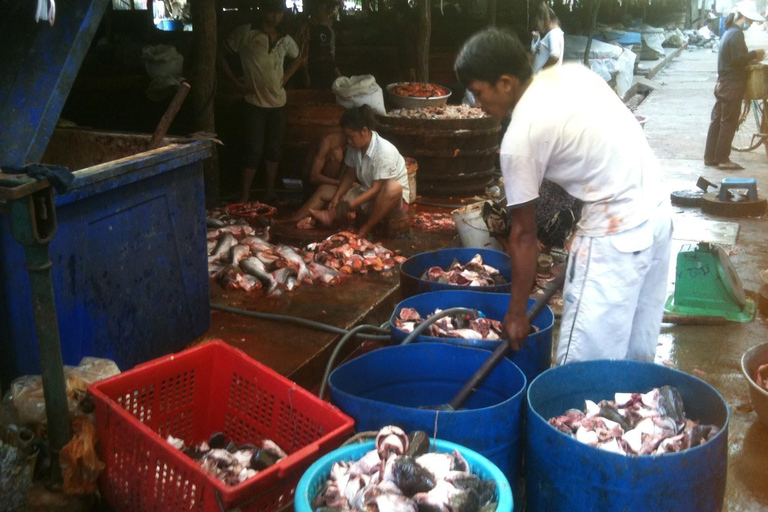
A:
[33,225]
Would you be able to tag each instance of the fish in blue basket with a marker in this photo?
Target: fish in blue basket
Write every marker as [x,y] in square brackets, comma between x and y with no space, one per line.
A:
[454,326]
[474,273]
[652,423]
[397,476]
[229,462]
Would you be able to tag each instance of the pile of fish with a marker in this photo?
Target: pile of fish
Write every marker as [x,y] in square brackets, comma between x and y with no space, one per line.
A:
[474,273]
[453,326]
[651,423]
[761,377]
[401,475]
[446,112]
[424,221]
[228,462]
[243,260]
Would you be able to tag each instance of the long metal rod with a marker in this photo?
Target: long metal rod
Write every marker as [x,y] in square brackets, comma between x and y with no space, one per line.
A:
[33,225]
[501,351]
[51,363]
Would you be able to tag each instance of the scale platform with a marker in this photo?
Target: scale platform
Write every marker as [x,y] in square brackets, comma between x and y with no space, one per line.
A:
[707,284]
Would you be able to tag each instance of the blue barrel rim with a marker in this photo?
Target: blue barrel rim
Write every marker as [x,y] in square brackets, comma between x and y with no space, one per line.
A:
[650,458]
[503,489]
[458,341]
[494,288]
[518,395]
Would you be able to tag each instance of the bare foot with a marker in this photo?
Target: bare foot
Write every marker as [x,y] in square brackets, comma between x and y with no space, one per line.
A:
[325,217]
[306,223]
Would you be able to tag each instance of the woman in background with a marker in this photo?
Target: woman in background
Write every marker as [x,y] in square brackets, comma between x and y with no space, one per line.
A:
[732,61]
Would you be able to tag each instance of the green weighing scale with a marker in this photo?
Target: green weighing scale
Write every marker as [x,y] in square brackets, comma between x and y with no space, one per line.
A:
[707,285]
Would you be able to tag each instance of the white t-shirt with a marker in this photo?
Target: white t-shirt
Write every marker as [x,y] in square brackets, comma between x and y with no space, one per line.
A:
[551,45]
[382,161]
[571,128]
[262,67]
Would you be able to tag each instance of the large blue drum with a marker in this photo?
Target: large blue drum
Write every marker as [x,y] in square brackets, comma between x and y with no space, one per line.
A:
[389,386]
[564,475]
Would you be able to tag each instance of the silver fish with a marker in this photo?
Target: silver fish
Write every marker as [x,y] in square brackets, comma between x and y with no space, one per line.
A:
[239,253]
[283,275]
[297,261]
[322,273]
[214,223]
[256,268]
[257,244]
[226,242]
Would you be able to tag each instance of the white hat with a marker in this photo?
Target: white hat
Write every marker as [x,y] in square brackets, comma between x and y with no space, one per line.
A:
[747,9]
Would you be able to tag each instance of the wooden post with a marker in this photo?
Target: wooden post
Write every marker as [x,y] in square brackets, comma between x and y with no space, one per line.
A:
[203,81]
[592,26]
[425,34]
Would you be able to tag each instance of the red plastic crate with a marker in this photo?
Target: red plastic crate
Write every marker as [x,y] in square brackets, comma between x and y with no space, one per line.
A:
[190,395]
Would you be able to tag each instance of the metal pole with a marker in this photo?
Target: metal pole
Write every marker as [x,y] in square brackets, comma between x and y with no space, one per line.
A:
[33,224]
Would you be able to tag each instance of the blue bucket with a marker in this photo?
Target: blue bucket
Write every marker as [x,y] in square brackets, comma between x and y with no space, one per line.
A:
[317,474]
[386,387]
[532,359]
[414,267]
[564,475]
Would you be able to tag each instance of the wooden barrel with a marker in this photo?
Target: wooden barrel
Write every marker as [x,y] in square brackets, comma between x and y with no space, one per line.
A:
[457,157]
[309,116]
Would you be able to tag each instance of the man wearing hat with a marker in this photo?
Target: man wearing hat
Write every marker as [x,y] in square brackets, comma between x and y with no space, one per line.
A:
[732,64]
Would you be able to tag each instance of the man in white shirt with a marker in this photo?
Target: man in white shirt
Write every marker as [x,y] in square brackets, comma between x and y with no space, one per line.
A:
[548,44]
[262,49]
[374,181]
[570,128]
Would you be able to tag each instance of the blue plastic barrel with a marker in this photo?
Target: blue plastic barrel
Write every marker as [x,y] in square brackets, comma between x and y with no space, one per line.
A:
[564,475]
[387,387]
[532,359]
[316,476]
[414,267]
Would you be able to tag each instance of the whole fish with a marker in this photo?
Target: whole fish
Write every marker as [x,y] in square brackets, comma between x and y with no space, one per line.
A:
[282,276]
[214,223]
[239,253]
[296,261]
[257,244]
[226,242]
[322,273]
[256,268]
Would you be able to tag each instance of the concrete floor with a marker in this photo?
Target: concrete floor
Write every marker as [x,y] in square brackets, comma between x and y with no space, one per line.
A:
[679,115]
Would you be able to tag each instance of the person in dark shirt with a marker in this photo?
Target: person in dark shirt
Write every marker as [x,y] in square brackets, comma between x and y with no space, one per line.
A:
[319,35]
[731,84]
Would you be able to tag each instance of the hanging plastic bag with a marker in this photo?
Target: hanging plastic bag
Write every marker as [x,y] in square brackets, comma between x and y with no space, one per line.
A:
[80,466]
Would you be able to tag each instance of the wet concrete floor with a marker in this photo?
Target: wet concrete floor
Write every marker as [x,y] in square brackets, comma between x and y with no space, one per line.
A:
[678,118]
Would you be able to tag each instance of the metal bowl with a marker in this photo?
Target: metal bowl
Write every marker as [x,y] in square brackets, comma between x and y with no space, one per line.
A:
[410,102]
[750,362]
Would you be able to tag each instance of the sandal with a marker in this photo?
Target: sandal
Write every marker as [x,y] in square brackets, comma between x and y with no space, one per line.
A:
[730,166]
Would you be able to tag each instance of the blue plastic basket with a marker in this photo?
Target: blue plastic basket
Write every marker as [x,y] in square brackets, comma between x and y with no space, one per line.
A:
[414,267]
[317,474]
[533,358]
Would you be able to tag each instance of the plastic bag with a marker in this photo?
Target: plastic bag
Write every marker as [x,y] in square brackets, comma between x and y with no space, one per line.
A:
[162,60]
[26,392]
[356,91]
[80,466]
